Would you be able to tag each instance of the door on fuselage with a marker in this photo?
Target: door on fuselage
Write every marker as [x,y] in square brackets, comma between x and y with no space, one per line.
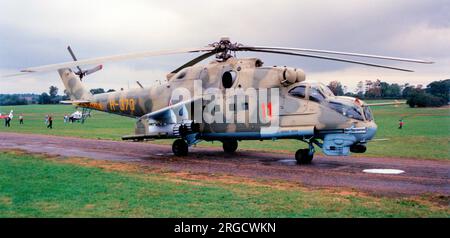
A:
[293,105]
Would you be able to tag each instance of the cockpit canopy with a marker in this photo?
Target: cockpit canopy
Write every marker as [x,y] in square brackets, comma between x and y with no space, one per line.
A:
[317,92]
[320,93]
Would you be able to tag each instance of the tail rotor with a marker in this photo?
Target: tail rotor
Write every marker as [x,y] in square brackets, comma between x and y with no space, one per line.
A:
[81,73]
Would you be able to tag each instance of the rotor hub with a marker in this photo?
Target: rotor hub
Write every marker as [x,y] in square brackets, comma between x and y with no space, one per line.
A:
[224,47]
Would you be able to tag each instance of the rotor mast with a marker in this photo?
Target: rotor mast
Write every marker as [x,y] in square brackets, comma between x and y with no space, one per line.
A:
[224,47]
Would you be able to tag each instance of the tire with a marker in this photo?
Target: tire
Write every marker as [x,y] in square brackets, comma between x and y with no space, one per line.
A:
[230,146]
[302,156]
[180,147]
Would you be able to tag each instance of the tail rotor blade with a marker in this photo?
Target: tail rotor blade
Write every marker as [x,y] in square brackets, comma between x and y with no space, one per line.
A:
[74,58]
[71,53]
[93,70]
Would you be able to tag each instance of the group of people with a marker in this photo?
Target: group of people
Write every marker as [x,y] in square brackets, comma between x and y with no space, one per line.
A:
[9,117]
[48,120]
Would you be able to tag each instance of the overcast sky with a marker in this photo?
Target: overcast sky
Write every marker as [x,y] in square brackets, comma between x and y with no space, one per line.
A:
[34,33]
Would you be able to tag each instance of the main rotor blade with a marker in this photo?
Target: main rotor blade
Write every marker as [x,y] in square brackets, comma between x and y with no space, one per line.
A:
[330,58]
[14,75]
[74,58]
[113,58]
[193,62]
[338,53]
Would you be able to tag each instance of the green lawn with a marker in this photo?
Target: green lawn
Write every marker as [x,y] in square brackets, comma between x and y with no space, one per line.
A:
[100,125]
[425,135]
[33,186]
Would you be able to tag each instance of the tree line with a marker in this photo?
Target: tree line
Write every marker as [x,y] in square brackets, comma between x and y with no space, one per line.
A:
[435,94]
[51,97]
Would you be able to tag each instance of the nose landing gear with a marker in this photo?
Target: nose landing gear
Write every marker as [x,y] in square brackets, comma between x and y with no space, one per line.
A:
[305,156]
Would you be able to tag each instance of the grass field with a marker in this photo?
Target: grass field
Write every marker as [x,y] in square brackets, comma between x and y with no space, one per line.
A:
[38,186]
[32,186]
[426,133]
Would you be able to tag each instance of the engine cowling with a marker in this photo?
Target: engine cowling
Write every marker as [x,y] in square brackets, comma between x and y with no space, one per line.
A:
[290,76]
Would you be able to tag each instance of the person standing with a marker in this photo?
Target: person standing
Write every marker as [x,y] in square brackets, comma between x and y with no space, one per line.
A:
[400,124]
[50,122]
[21,119]
[8,122]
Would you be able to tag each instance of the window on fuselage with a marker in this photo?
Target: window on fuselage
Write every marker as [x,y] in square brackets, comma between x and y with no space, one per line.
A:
[299,91]
[316,95]
[368,113]
[181,75]
[345,110]
[326,90]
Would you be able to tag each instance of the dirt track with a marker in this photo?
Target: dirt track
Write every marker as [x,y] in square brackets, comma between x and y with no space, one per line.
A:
[421,176]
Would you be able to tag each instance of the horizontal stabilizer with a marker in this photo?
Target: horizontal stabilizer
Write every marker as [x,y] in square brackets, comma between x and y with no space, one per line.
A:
[74,102]
[168,114]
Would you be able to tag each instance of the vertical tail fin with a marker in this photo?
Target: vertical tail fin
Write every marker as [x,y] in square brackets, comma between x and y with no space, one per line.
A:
[73,85]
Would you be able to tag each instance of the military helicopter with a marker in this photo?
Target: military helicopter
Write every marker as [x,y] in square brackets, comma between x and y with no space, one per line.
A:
[295,109]
[78,116]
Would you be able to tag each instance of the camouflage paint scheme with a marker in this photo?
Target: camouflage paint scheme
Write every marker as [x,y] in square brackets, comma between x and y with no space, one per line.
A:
[295,114]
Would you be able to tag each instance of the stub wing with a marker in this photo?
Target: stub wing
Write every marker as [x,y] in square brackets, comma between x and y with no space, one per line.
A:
[173,113]
[172,121]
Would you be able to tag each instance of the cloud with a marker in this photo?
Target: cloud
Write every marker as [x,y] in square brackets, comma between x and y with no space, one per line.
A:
[423,39]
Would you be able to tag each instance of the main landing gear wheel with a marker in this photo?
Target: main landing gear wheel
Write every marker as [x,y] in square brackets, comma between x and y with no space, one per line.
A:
[230,146]
[180,147]
[303,157]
